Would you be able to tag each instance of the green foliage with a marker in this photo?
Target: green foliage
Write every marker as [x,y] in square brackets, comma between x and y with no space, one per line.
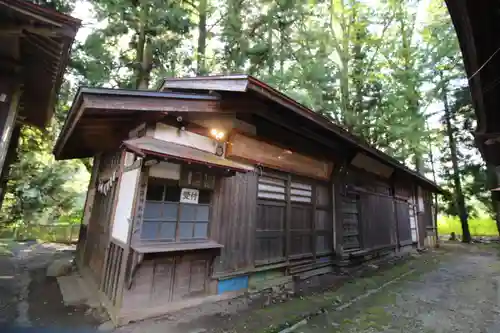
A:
[140,41]
[41,190]
[478,226]
[63,6]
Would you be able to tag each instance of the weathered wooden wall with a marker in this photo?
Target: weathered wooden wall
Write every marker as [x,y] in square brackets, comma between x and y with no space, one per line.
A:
[403,219]
[367,211]
[162,278]
[233,221]
[100,217]
[112,266]
[378,220]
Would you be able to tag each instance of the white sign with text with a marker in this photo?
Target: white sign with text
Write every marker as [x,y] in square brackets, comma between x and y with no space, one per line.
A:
[189,195]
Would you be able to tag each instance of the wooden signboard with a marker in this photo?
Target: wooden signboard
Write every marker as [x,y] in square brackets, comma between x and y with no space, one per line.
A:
[245,148]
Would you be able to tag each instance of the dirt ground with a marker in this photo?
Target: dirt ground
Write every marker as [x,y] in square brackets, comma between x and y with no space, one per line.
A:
[31,300]
[455,289]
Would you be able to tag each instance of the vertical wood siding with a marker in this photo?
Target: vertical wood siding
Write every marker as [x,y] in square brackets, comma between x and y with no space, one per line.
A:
[100,218]
[403,217]
[367,212]
[234,214]
[114,260]
[162,278]
[351,221]
[377,216]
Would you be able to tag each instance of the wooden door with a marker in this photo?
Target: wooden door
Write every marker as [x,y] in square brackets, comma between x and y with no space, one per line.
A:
[403,221]
[270,223]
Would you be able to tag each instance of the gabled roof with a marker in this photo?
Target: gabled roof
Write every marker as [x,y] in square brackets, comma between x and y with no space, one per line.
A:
[246,83]
[101,117]
[35,47]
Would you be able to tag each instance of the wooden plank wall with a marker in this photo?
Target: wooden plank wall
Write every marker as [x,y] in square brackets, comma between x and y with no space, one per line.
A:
[164,278]
[378,221]
[403,219]
[99,228]
[368,211]
[114,260]
[233,221]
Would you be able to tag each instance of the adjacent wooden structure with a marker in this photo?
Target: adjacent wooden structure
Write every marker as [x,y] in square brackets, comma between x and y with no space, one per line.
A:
[216,185]
[35,44]
[477,28]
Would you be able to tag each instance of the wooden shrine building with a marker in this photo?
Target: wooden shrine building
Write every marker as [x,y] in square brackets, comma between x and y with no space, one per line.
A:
[35,44]
[213,186]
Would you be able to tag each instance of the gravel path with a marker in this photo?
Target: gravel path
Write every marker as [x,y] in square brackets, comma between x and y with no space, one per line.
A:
[31,300]
[460,295]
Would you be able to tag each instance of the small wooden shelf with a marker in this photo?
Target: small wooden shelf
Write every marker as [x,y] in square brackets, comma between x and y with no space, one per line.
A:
[157,247]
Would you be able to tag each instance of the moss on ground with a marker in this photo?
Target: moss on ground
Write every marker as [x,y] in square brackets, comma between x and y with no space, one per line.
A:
[278,316]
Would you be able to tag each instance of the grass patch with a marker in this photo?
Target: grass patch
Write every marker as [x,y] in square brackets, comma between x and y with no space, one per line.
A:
[480,226]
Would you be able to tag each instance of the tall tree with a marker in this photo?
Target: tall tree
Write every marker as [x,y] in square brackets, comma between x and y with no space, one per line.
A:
[457,184]
[139,42]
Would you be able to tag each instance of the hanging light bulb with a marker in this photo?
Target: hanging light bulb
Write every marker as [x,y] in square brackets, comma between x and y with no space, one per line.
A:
[218,135]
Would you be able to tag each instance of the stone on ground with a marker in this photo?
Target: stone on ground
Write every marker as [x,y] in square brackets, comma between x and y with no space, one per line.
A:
[107,326]
[73,290]
[60,267]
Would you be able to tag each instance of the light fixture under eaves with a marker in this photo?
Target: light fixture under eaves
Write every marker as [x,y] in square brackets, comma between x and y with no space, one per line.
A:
[217,134]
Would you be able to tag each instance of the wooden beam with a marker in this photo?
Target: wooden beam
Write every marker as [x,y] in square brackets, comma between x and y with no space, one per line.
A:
[129,103]
[42,45]
[106,121]
[259,152]
[15,8]
[46,32]
[269,115]
[338,184]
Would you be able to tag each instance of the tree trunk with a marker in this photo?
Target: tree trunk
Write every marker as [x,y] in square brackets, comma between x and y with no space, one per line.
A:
[434,178]
[234,37]
[459,196]
[144,56]
[492,182]
[202,38]
[270,56]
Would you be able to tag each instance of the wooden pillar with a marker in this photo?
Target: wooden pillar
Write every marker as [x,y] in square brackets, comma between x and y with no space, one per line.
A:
[337,188]
[395,209]
[10,158]
[288,218]
[87,211]
[8,115]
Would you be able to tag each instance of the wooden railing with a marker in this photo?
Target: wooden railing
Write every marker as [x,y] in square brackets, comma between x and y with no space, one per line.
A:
[57,233]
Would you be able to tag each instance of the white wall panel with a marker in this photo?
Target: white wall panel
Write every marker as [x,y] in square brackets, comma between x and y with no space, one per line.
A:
[165,170]
[190,139]
[124,205]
